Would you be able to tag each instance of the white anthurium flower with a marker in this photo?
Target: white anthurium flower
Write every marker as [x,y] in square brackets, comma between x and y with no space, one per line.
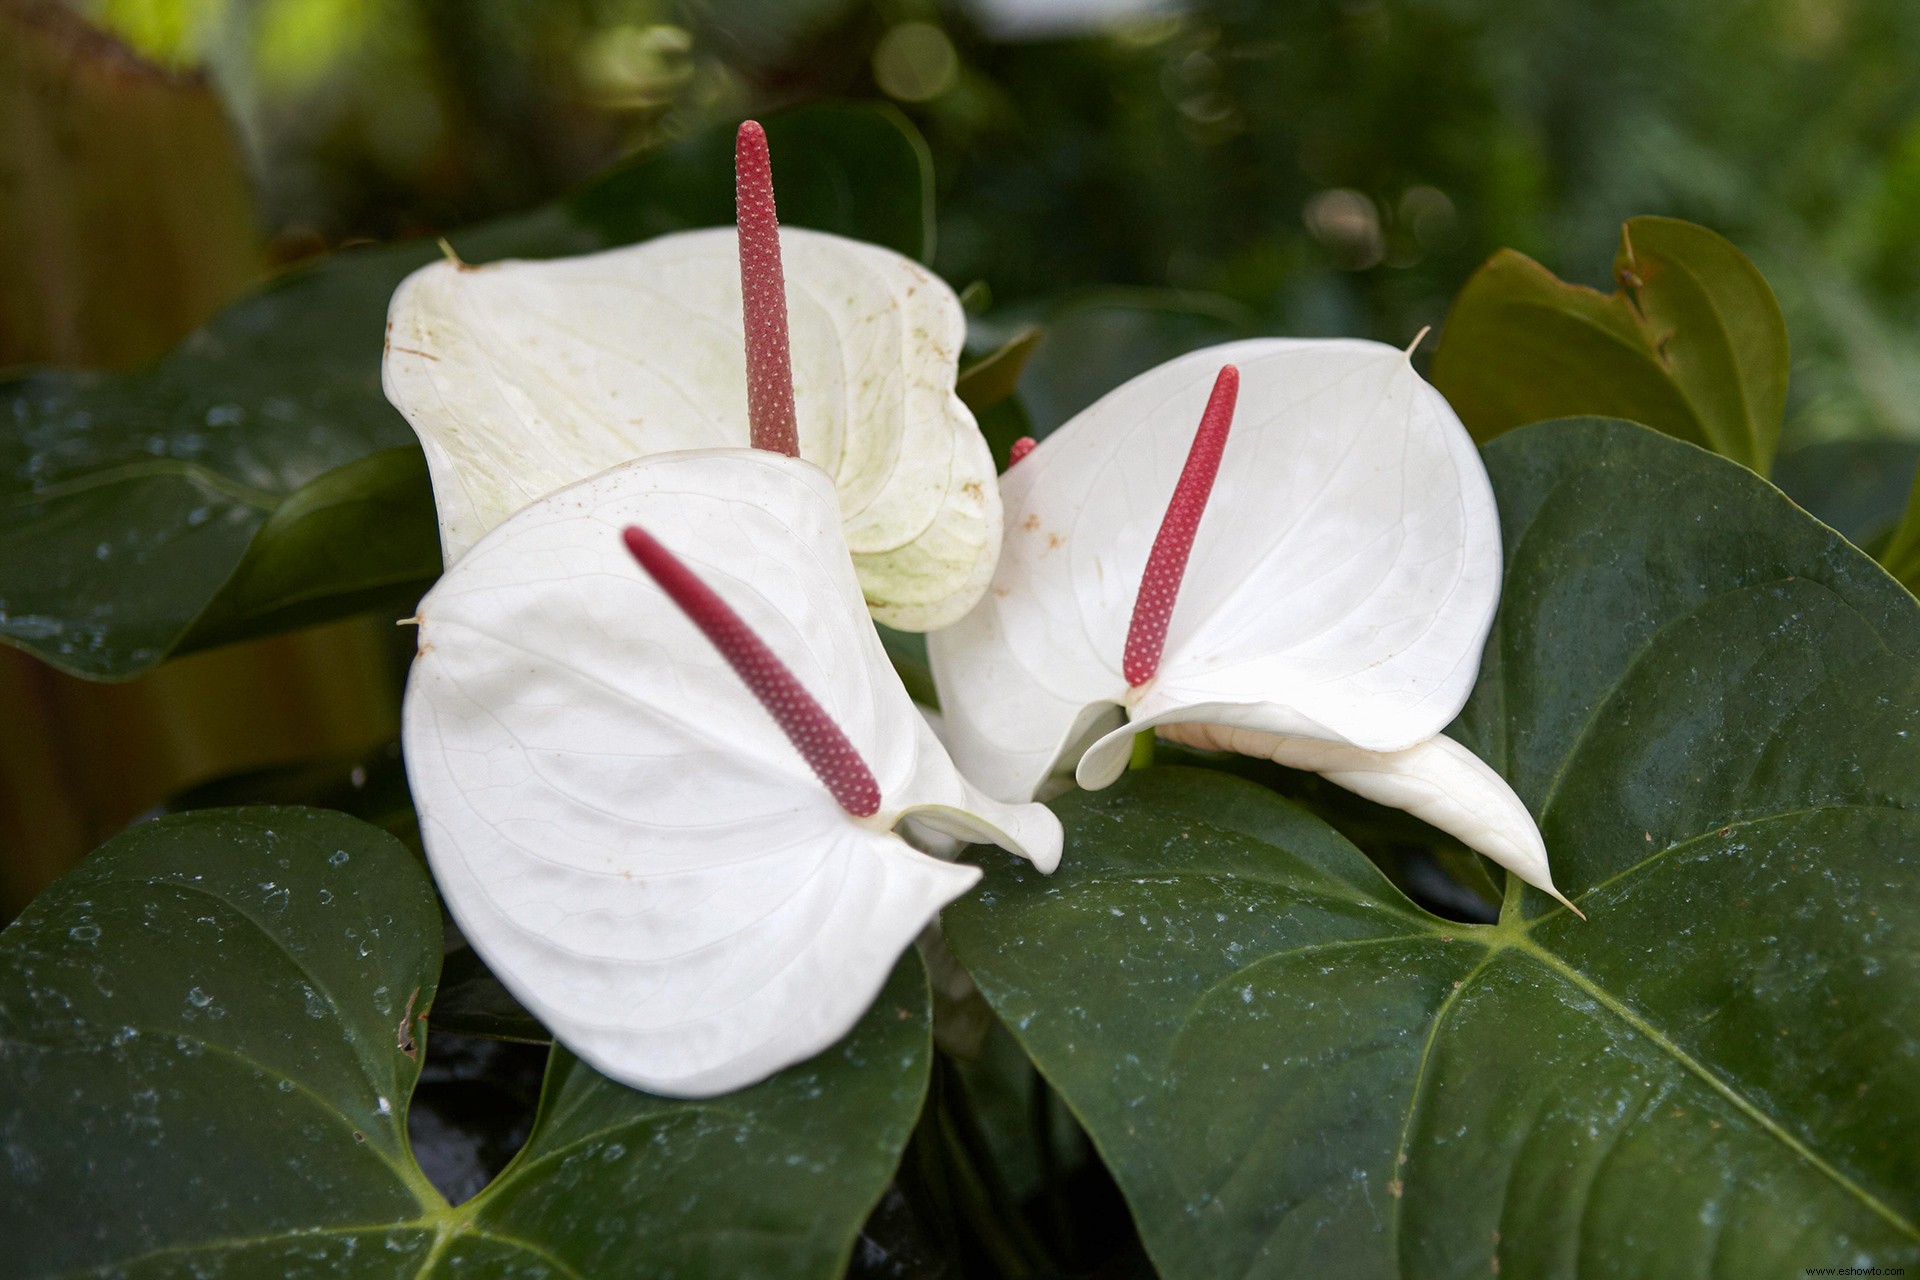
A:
[661,804]
[523,377]
[1331,606]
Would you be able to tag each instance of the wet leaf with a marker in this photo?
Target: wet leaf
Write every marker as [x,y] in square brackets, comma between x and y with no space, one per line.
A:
[1709,701]
[256,477]
[226,1009]
[1691,343]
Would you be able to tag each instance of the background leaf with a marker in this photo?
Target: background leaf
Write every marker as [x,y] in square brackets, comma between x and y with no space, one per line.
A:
[992,378]
[1692,343]
[226,1009]
[125,212]
[1709,702]
[1859,487]
[1095,341]
[209,497]
[1901,555]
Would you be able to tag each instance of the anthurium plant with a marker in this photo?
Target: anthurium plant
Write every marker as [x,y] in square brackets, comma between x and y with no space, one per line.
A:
[1336,821]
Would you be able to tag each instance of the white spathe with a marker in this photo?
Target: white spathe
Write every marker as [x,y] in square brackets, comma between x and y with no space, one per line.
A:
[619,827]
[522,377]
[1340,589]
[1438,781]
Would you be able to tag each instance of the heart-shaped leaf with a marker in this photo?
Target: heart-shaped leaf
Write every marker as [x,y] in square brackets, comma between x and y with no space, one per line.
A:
[1691,343]
[209,1033]
[256,477]
[1712,705]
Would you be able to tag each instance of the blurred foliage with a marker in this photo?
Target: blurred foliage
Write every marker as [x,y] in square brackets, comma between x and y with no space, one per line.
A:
[1691,343]
[125,213]
[1332,167]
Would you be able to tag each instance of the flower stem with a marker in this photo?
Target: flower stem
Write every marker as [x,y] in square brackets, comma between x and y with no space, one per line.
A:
[1142,757]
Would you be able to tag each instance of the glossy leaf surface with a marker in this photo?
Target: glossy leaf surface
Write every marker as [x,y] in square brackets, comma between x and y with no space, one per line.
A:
[1691,343]
[202,499]
[226,1010]
[1712,704]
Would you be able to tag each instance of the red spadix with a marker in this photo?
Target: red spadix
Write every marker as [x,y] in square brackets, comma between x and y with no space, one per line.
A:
[806,723]
[763,296]
[1167,562]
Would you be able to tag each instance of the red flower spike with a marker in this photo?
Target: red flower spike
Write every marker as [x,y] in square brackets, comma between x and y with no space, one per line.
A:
[1021,448]
[820,742]
[763,296]
[1167,562]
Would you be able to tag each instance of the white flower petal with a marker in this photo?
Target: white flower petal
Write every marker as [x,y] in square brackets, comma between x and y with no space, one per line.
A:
[1438,781]
[621,830]
[1341,585]
[523,377]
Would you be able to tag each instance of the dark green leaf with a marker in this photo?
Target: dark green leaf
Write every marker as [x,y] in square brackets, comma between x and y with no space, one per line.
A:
[855,170]
[209,1034]
[1692,343]
[370,786]
[1901,554]
[770,1181]
[256,478]
[1095,342]
[907,650]
[993,377]
[1713,705]
[222,1010]
[1859,487]
[473,1002]
[1003,425]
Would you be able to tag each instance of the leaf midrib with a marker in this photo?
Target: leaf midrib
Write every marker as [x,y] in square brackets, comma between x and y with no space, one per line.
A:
[1641,1026]
[446,1226]
[1515,935]
[147,469]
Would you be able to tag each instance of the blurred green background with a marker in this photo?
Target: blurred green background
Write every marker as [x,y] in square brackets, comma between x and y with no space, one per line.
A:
[1141,176]
[1330,166]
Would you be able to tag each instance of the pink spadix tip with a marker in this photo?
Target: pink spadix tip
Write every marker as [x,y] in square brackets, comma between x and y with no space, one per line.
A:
[1167,562]
[763,296]
[806,723]
[1021,448]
